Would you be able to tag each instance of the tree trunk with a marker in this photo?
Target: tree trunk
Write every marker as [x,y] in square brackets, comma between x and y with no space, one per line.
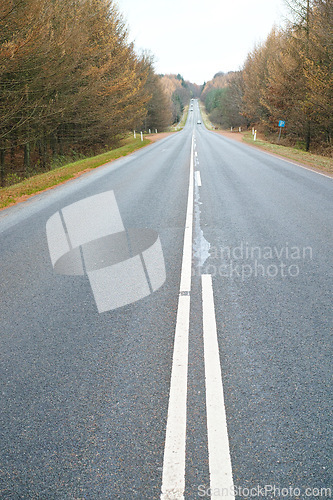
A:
[26,156]
[43,152]
[53,144]
[12,151]
[2,167]
[60,138]
[308,136]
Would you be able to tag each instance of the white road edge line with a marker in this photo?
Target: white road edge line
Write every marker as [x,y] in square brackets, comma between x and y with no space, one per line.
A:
[296,164]
[220,470]
[173,476]
[286,160]
[198,178]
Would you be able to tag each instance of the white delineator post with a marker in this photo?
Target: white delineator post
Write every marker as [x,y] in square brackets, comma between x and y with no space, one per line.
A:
[134,134]
[141,136]
[255,135]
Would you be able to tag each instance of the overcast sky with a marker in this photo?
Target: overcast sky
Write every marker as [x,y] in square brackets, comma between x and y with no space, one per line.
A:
[199,38]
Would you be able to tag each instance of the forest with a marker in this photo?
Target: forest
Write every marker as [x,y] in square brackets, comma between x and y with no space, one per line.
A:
[71,84]
[288,77]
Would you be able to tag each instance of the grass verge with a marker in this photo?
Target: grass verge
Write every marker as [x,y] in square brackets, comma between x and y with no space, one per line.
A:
[318,162]
[181,124]
[205,119]
[21,191]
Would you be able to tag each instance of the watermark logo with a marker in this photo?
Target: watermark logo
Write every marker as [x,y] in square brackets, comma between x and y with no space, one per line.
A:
[269,491]
[246,261]
[88,238]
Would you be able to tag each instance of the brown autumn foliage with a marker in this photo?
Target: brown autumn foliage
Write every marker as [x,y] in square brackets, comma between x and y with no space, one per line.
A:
[70,81]
[288,77]
[159,111]
[219,81]
[179,93]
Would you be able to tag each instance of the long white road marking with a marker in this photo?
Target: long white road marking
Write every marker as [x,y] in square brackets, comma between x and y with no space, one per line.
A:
[296,164]
[221,481]
[198,178]
[173,477]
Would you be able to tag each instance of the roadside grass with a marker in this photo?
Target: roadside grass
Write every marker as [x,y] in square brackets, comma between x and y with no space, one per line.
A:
[322,163]
[318,162]
[33,185]
[208,124]
[181,124]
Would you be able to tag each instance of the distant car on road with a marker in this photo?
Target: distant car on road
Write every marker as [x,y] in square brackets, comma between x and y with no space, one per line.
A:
[199,122]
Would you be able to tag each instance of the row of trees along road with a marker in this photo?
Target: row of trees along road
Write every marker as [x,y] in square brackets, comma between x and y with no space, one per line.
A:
[179,92]
[69,81]
[288,77]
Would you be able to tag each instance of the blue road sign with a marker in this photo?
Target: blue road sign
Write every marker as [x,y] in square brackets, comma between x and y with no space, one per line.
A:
[282,123]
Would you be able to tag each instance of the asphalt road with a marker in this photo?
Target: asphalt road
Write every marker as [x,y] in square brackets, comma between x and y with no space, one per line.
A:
[85,395]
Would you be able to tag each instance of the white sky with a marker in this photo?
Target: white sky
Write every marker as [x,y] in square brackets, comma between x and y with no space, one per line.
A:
[199,38]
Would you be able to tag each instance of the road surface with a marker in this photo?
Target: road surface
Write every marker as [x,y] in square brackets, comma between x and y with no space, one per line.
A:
[219,383]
